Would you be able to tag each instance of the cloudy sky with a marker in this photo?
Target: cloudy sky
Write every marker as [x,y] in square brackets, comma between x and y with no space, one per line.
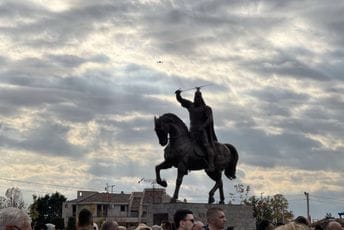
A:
[81,80]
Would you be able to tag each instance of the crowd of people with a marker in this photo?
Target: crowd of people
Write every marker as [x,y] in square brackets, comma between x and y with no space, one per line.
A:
[17,219]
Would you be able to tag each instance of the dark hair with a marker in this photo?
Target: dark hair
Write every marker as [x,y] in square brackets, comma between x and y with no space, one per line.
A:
[301,220]
[109,225]
[264,224]
[85,218]
[180,215]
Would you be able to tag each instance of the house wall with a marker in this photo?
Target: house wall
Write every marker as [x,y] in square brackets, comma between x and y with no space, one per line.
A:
[67,210]
[115,210]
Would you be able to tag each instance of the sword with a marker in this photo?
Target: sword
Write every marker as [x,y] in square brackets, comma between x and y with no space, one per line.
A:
[197,87]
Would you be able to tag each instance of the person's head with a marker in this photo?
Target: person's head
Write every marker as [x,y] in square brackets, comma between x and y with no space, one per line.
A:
[183,219]
[109,225]
[156,227]
[14,218]
[198,225]
[265,225]
[85,220]
[301,220]
[293,226]
[216,218]
[143,226]
[166,225]
[334,225]
[198,99]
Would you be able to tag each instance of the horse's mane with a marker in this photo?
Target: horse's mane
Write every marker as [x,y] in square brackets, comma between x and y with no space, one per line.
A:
[174,119]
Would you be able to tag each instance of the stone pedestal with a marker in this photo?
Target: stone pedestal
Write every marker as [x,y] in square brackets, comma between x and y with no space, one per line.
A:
[238,216]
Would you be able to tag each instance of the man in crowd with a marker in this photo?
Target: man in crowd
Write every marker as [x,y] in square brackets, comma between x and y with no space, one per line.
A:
[14,219]
[183,219]
[85,220]
[216,218]
[198,225]
[334,225]
[109,225]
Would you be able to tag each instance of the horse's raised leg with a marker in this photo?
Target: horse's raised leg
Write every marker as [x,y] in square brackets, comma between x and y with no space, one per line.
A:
[179,180]
[162,165]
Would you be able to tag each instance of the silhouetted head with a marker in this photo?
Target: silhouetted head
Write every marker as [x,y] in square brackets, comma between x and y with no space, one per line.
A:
[85,220]
[301,220]
[198,99]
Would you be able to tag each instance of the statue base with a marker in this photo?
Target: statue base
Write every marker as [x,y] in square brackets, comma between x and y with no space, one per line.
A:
[238,216]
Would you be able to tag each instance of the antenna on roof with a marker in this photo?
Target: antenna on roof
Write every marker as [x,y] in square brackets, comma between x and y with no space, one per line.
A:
[109,186]
[151,181]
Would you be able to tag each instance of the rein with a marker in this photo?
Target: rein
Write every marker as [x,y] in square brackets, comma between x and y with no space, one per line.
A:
[177,136]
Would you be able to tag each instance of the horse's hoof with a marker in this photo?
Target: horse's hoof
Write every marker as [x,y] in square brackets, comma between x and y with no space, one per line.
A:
[173,200]
[221,202]
[211,200]
[163,183]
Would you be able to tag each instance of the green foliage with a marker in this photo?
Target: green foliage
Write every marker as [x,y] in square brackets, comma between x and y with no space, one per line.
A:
[71,225]
[48,209]
[273,208]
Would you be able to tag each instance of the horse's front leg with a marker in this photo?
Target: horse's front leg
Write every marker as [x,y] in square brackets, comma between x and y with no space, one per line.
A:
[162,165]
[180,175]
[211,198]
[222,196]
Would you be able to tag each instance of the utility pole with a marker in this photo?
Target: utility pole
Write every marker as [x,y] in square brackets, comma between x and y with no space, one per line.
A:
[307,200]
[152,182]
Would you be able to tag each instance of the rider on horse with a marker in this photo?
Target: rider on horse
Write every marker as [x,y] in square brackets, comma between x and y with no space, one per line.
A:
[201,124]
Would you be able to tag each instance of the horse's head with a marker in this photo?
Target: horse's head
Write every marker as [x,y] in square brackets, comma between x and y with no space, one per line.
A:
[161,130]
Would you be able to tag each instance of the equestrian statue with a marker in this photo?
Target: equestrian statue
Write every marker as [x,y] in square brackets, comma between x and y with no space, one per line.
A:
[194,149]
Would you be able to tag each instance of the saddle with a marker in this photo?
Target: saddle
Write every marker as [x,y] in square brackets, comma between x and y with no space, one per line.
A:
[201,152]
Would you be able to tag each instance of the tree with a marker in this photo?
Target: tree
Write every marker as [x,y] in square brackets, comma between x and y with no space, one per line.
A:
[48,209]
[241,193]
[71,225]
[273,208]
[13,198]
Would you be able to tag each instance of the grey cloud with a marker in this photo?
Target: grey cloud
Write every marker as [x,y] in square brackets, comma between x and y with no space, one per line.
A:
[119,170]
[19,9]
[54,29]
[69,61]
[288,149]
[47,139]
[284,66]
[275,95]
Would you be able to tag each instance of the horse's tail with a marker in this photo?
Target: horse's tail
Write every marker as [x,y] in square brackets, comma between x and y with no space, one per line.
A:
[231,168]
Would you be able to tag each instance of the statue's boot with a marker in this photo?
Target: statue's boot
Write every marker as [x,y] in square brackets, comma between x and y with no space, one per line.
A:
[211,155]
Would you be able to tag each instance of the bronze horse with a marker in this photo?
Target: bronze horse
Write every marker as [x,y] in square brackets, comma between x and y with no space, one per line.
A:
[182,153]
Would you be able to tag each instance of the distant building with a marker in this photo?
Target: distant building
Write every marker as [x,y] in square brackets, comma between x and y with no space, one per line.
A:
[150,207]
[126,209]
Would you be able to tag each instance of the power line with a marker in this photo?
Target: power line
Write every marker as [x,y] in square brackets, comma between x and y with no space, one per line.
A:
[327,198]
[46,184]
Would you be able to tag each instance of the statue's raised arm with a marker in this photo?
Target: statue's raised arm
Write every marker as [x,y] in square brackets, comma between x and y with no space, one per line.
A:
[184,102]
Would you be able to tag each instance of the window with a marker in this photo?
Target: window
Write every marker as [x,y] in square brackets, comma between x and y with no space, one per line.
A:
[122,208]
[74,209]
[102,210]
[99,210]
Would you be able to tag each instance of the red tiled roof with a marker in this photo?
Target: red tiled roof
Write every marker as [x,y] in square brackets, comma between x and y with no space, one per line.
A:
[117,198]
